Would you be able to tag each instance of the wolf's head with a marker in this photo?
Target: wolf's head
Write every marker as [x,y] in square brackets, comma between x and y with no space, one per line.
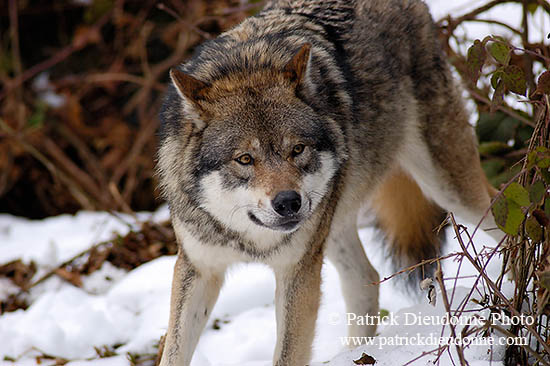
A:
[264,157]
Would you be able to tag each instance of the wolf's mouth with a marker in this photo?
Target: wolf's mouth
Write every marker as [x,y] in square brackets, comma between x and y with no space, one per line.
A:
[287,224]
[254,219]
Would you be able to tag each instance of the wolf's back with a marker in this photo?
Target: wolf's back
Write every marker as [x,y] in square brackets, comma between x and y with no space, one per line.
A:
[373,60]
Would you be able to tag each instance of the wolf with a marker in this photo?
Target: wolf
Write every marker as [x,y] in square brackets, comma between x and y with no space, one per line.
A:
[274,135]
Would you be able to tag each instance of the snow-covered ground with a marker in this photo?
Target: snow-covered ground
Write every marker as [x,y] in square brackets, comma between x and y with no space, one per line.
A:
[130,309]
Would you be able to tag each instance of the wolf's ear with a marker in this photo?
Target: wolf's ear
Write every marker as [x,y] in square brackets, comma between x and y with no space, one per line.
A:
[296,68]
[188,87]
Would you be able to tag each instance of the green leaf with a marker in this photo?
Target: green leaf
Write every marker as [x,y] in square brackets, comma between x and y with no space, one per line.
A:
[523,135]
[514,78]
[543,162]
[532,8]
[500,211]
[493,148]
[537,192]
[508,215]
[500,52]
[486,125]
[507,129]
[493,167]
[38,116]
[97,9]
[495,78]
[475,59]
[547,208]
[6,61]
[516,193]
[498,96]
[539,157]
[545,175]
[543,85]
[496,127]
[505,176]
[542,157]
[533,229]
[514,219]
[531,160]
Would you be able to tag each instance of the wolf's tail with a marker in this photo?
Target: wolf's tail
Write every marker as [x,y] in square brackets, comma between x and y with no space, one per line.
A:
[409,222]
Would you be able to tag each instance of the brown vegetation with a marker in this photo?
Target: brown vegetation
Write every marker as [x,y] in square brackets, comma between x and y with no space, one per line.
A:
[105,65]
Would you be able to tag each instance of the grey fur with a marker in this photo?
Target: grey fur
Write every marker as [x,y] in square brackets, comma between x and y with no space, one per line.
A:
[364,87]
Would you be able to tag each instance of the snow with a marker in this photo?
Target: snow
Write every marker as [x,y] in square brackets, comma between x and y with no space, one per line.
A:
[130,309]
[42,85]
[40,241]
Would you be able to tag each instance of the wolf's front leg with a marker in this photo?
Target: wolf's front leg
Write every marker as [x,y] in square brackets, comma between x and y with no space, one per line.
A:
[194,292]
[297,301]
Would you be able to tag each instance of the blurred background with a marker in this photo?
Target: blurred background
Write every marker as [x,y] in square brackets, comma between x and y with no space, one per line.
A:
[81,84]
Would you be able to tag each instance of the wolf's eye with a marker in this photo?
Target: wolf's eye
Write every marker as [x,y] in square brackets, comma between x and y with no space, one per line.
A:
[298,149]
[245,159]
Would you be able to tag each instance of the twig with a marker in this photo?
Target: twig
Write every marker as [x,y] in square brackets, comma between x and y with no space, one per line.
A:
[243,8]
[527,61]
[427,353]
[74,188]
[148,130]
[453,23]
[182,21]
[496,22]
[501,108]
[64,264]
[91,161]
[413,267]
[526,347]
[5,174]
[118,198]
[112,76]
[523,49]
[78,174]
[497,290]
[55,59]
[459,348]
[545,5]
[14,33]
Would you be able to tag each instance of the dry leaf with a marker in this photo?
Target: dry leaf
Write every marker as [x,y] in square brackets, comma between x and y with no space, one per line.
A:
[71,277]
[365,360]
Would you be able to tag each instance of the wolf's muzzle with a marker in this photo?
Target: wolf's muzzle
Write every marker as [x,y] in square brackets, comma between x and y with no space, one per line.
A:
[287,203]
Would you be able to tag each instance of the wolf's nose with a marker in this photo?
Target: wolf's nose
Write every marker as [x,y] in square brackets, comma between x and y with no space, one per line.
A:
[287,203]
